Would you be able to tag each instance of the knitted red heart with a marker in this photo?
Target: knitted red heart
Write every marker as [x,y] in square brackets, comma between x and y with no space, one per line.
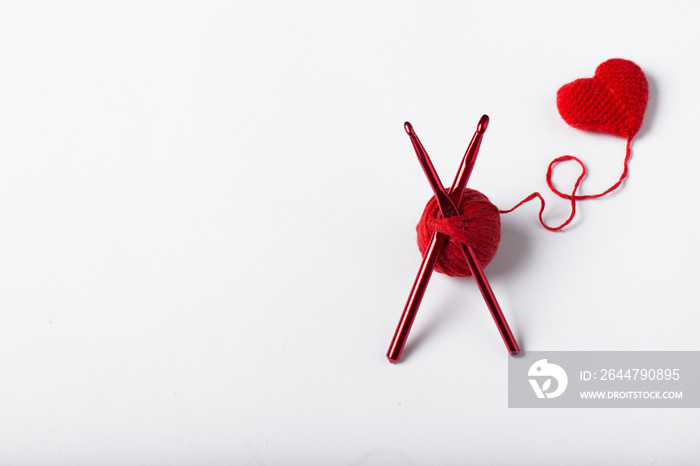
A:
[613,101]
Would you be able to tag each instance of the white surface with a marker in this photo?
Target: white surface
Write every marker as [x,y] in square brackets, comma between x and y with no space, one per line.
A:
[207,216]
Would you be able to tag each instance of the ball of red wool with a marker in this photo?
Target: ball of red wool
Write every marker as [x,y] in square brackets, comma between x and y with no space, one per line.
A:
[478,226]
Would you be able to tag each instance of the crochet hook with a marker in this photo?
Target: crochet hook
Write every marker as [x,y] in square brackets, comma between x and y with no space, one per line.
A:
[432,252]
[448,209]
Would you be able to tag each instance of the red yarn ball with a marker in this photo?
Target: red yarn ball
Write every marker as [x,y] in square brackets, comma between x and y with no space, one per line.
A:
[478,226]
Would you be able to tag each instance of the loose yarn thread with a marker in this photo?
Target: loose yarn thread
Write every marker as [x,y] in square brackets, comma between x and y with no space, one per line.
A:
[571,197]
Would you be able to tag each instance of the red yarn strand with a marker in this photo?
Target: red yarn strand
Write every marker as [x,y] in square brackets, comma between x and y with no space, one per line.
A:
[572,197]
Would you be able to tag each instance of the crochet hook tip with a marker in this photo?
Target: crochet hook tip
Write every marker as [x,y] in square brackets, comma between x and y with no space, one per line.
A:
[409,128]
[483,124]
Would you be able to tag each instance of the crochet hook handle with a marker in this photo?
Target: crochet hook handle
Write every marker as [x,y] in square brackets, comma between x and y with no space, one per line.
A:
[432,252]
[491,302]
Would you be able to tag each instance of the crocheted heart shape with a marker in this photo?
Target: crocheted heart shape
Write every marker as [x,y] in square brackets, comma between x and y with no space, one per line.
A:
[613,101]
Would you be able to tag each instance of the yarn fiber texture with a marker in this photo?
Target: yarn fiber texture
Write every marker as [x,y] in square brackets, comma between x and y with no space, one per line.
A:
[478,226]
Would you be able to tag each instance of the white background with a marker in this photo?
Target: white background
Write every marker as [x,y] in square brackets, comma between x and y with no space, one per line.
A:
[207,215]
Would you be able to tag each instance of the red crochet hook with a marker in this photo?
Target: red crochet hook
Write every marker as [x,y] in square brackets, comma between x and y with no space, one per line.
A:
[432,252]
[449,207]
